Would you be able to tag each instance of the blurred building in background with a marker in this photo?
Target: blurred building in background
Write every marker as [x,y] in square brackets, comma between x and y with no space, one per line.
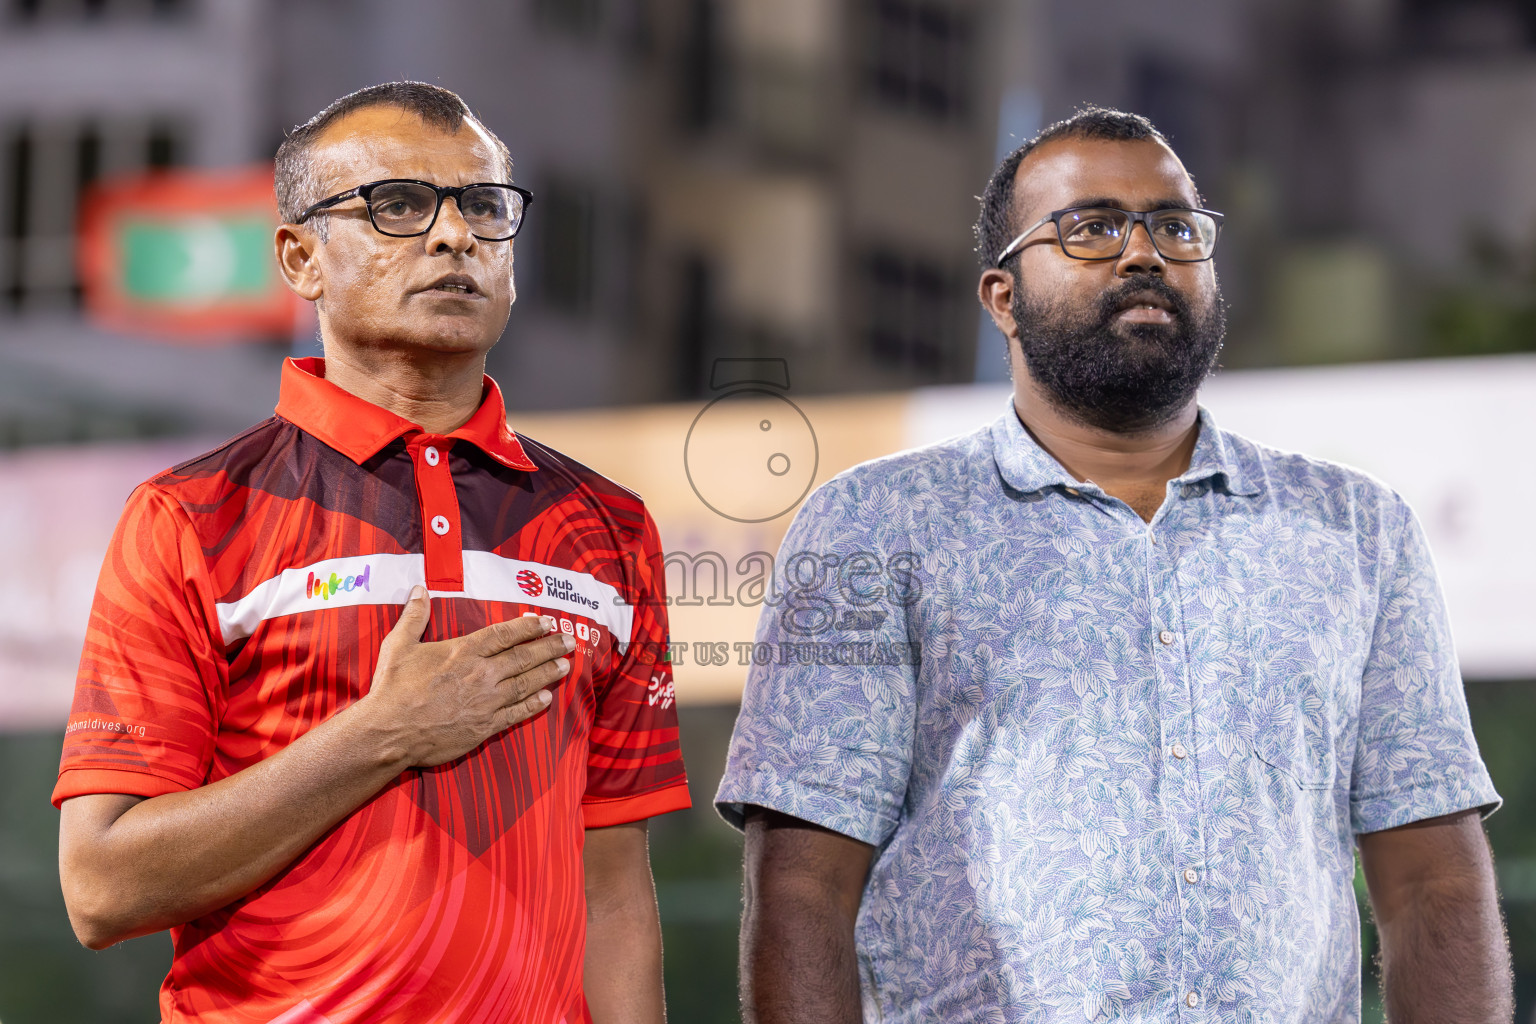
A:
[783,178]
[94,90]
[773,179]
[791,178]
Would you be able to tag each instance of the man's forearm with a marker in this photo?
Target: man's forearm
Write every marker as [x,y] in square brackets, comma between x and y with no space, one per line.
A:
[622,967]
[1448,963]
[622,979]
[168,859]
[799,963]
[799,960]
[1444,955]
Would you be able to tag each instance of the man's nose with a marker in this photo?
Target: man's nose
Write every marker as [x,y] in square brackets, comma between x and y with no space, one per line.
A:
[1140,256]
[451,231]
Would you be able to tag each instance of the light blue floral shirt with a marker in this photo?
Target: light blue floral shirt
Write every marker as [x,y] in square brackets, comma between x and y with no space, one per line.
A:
[1113,770]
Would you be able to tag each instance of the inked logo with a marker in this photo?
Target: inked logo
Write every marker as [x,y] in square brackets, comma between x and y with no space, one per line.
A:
[323,588]
[660,691]
[529,583]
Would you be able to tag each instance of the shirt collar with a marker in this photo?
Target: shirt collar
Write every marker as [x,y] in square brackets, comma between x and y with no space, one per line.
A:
[1028,467]
[1216,459]
[1022,462]
[360,430]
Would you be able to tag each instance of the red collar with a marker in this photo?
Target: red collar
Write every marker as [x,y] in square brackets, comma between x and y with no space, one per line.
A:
[360,429]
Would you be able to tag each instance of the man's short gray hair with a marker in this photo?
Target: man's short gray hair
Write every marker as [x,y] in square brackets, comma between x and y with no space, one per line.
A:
[295,181]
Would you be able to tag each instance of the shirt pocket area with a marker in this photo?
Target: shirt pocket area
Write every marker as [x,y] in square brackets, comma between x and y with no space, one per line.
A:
[1294,728]
[1302,700]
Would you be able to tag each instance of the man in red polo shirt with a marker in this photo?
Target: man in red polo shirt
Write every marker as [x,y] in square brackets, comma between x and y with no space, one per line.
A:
[370,713]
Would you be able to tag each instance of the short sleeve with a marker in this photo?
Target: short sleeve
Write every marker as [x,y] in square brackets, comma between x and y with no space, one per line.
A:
[826,726]
[635,763]
[152,674]
[1416,756]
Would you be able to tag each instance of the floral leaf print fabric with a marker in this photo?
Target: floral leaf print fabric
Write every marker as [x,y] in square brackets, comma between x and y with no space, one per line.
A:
[1112,770]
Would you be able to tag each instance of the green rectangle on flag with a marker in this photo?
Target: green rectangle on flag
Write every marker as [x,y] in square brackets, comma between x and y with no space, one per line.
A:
[185,255]
[196,260]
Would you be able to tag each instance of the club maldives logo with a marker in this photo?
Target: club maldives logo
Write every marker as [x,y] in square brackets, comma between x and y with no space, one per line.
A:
[323,588]
[529,583]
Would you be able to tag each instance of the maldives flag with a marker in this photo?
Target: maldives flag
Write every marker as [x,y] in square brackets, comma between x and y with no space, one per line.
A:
[186,254]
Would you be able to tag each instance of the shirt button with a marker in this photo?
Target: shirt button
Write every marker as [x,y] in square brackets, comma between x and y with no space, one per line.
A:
[1192,1000]
[1165,637]
[430,455]
[439,525]
[1073,491]
[1191,876]
[1178,751]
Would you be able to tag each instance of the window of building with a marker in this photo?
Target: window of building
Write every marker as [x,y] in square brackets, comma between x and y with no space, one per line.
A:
[918,56]
[698,324]
[1468,28]
[64,10]
[575,17]
[44,167]
[565,210]
[909,304]
[702,67]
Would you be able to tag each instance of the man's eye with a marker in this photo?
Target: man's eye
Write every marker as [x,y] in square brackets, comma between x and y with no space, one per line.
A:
[400,204]
[398,209]
[1179,228]
[1093,228]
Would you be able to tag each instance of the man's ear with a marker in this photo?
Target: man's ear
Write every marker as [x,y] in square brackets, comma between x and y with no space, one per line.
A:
[296,259]
[996,293]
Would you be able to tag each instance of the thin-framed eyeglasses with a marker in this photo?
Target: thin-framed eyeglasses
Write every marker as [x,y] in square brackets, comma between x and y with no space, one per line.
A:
[403,207]
[1179,234]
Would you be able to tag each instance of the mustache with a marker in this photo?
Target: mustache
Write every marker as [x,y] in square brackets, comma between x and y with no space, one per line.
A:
[1111,301]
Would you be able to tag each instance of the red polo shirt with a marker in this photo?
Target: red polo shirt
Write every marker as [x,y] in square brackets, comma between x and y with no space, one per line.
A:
[243,601]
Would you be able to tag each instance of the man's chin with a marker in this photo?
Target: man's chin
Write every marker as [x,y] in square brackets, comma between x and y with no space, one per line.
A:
[453,332]
[445,344]
[454,345]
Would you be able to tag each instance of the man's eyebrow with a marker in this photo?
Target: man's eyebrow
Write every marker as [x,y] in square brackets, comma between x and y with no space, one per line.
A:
[1159,204]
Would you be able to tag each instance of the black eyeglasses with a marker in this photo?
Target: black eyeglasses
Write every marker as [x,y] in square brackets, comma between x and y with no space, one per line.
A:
[402,208]
[1102,232]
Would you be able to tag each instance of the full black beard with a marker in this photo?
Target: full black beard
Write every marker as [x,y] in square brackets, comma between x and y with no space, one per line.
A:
[1123,380]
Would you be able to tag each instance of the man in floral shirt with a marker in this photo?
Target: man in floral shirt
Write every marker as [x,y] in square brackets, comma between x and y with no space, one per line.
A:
[1083,716]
